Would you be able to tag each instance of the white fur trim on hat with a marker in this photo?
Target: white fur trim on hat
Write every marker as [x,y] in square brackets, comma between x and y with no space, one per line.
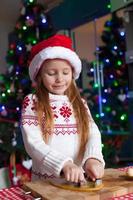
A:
[52,53]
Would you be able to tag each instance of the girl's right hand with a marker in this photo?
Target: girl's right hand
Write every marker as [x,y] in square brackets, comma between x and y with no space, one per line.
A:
[73,173]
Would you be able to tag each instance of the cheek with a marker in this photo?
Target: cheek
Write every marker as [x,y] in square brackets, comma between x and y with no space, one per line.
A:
[70,77]
[48,80]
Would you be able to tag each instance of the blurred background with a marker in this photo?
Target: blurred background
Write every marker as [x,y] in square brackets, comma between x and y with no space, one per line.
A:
[101,32]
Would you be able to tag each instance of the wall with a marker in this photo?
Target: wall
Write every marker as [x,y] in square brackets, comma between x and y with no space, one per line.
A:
[9,11]
[72,13]
[86,38]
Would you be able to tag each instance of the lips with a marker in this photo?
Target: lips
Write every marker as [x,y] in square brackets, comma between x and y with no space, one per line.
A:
[58,86]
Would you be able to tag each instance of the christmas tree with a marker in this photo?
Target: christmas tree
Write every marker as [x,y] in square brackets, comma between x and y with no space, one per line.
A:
[114,117]
[112,79]
[32,26]
[108,88]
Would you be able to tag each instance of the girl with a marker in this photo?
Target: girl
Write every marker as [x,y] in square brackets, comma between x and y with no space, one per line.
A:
[58,131]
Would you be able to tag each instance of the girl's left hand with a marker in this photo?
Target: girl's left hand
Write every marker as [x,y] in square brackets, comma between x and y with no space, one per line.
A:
[94,169]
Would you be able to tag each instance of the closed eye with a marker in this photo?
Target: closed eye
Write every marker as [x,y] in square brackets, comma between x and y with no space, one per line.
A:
[51,73]
[65,73]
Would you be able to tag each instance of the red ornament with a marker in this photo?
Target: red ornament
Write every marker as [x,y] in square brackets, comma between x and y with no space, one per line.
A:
[35,9]
[22,175]
[29,22]
[96,98]
[18,26]
[21,60]
[12,46]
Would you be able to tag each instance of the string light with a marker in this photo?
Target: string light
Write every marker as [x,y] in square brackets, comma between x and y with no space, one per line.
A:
[17,108]
[97,115]
[104,100]
[44,20]
[105,90]
[91,69]
[109,6]
[116,83]
[123,117]
[24,28]
[11,52]
[120,53]
[8,91]
[34,42]
[108,109]
[122,33]
[119,62]
[27,17]
[102,114]
[95,85]
[17,72]
[19,48]
[3,94]
[111,76]
[107,60]
[115,47]
[3,107]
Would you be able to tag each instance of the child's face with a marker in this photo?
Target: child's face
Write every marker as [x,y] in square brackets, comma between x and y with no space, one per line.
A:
[56,75]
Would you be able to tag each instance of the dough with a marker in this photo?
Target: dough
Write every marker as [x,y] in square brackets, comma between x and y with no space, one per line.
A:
[130,172]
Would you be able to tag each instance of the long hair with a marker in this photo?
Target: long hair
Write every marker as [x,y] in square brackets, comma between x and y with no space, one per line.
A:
[46,119]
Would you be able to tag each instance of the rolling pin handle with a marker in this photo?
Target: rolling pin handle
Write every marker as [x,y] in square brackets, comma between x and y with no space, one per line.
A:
[27,193]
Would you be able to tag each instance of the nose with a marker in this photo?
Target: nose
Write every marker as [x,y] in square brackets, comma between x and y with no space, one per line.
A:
[59,77]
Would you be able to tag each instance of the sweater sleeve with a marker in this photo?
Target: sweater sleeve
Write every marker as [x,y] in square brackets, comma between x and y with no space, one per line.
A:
[94,145]
[35,146]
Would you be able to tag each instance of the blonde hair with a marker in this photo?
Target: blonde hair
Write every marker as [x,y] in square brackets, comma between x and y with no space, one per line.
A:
[45,115]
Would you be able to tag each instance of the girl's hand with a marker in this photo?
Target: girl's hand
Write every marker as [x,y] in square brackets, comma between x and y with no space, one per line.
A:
[94,169]
[73,173]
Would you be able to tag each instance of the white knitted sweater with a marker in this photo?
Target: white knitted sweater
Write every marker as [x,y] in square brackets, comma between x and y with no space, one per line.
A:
[48,159]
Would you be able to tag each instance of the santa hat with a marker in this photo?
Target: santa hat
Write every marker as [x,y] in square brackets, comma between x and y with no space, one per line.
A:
[57,46]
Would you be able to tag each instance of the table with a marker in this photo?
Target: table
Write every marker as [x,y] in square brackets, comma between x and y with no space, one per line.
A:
[115,191]
[115,184]
[18,193]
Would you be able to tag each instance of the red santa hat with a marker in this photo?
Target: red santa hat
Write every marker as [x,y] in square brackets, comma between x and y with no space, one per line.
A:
[57,46]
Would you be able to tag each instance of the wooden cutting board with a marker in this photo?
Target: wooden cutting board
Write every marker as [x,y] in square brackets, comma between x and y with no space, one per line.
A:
[115,184]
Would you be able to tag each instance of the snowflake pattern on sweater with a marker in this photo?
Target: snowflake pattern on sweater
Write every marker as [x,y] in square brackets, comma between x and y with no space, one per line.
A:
[64,111]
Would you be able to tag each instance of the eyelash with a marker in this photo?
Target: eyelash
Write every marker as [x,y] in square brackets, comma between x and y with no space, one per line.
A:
[52,74]
[65,73]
